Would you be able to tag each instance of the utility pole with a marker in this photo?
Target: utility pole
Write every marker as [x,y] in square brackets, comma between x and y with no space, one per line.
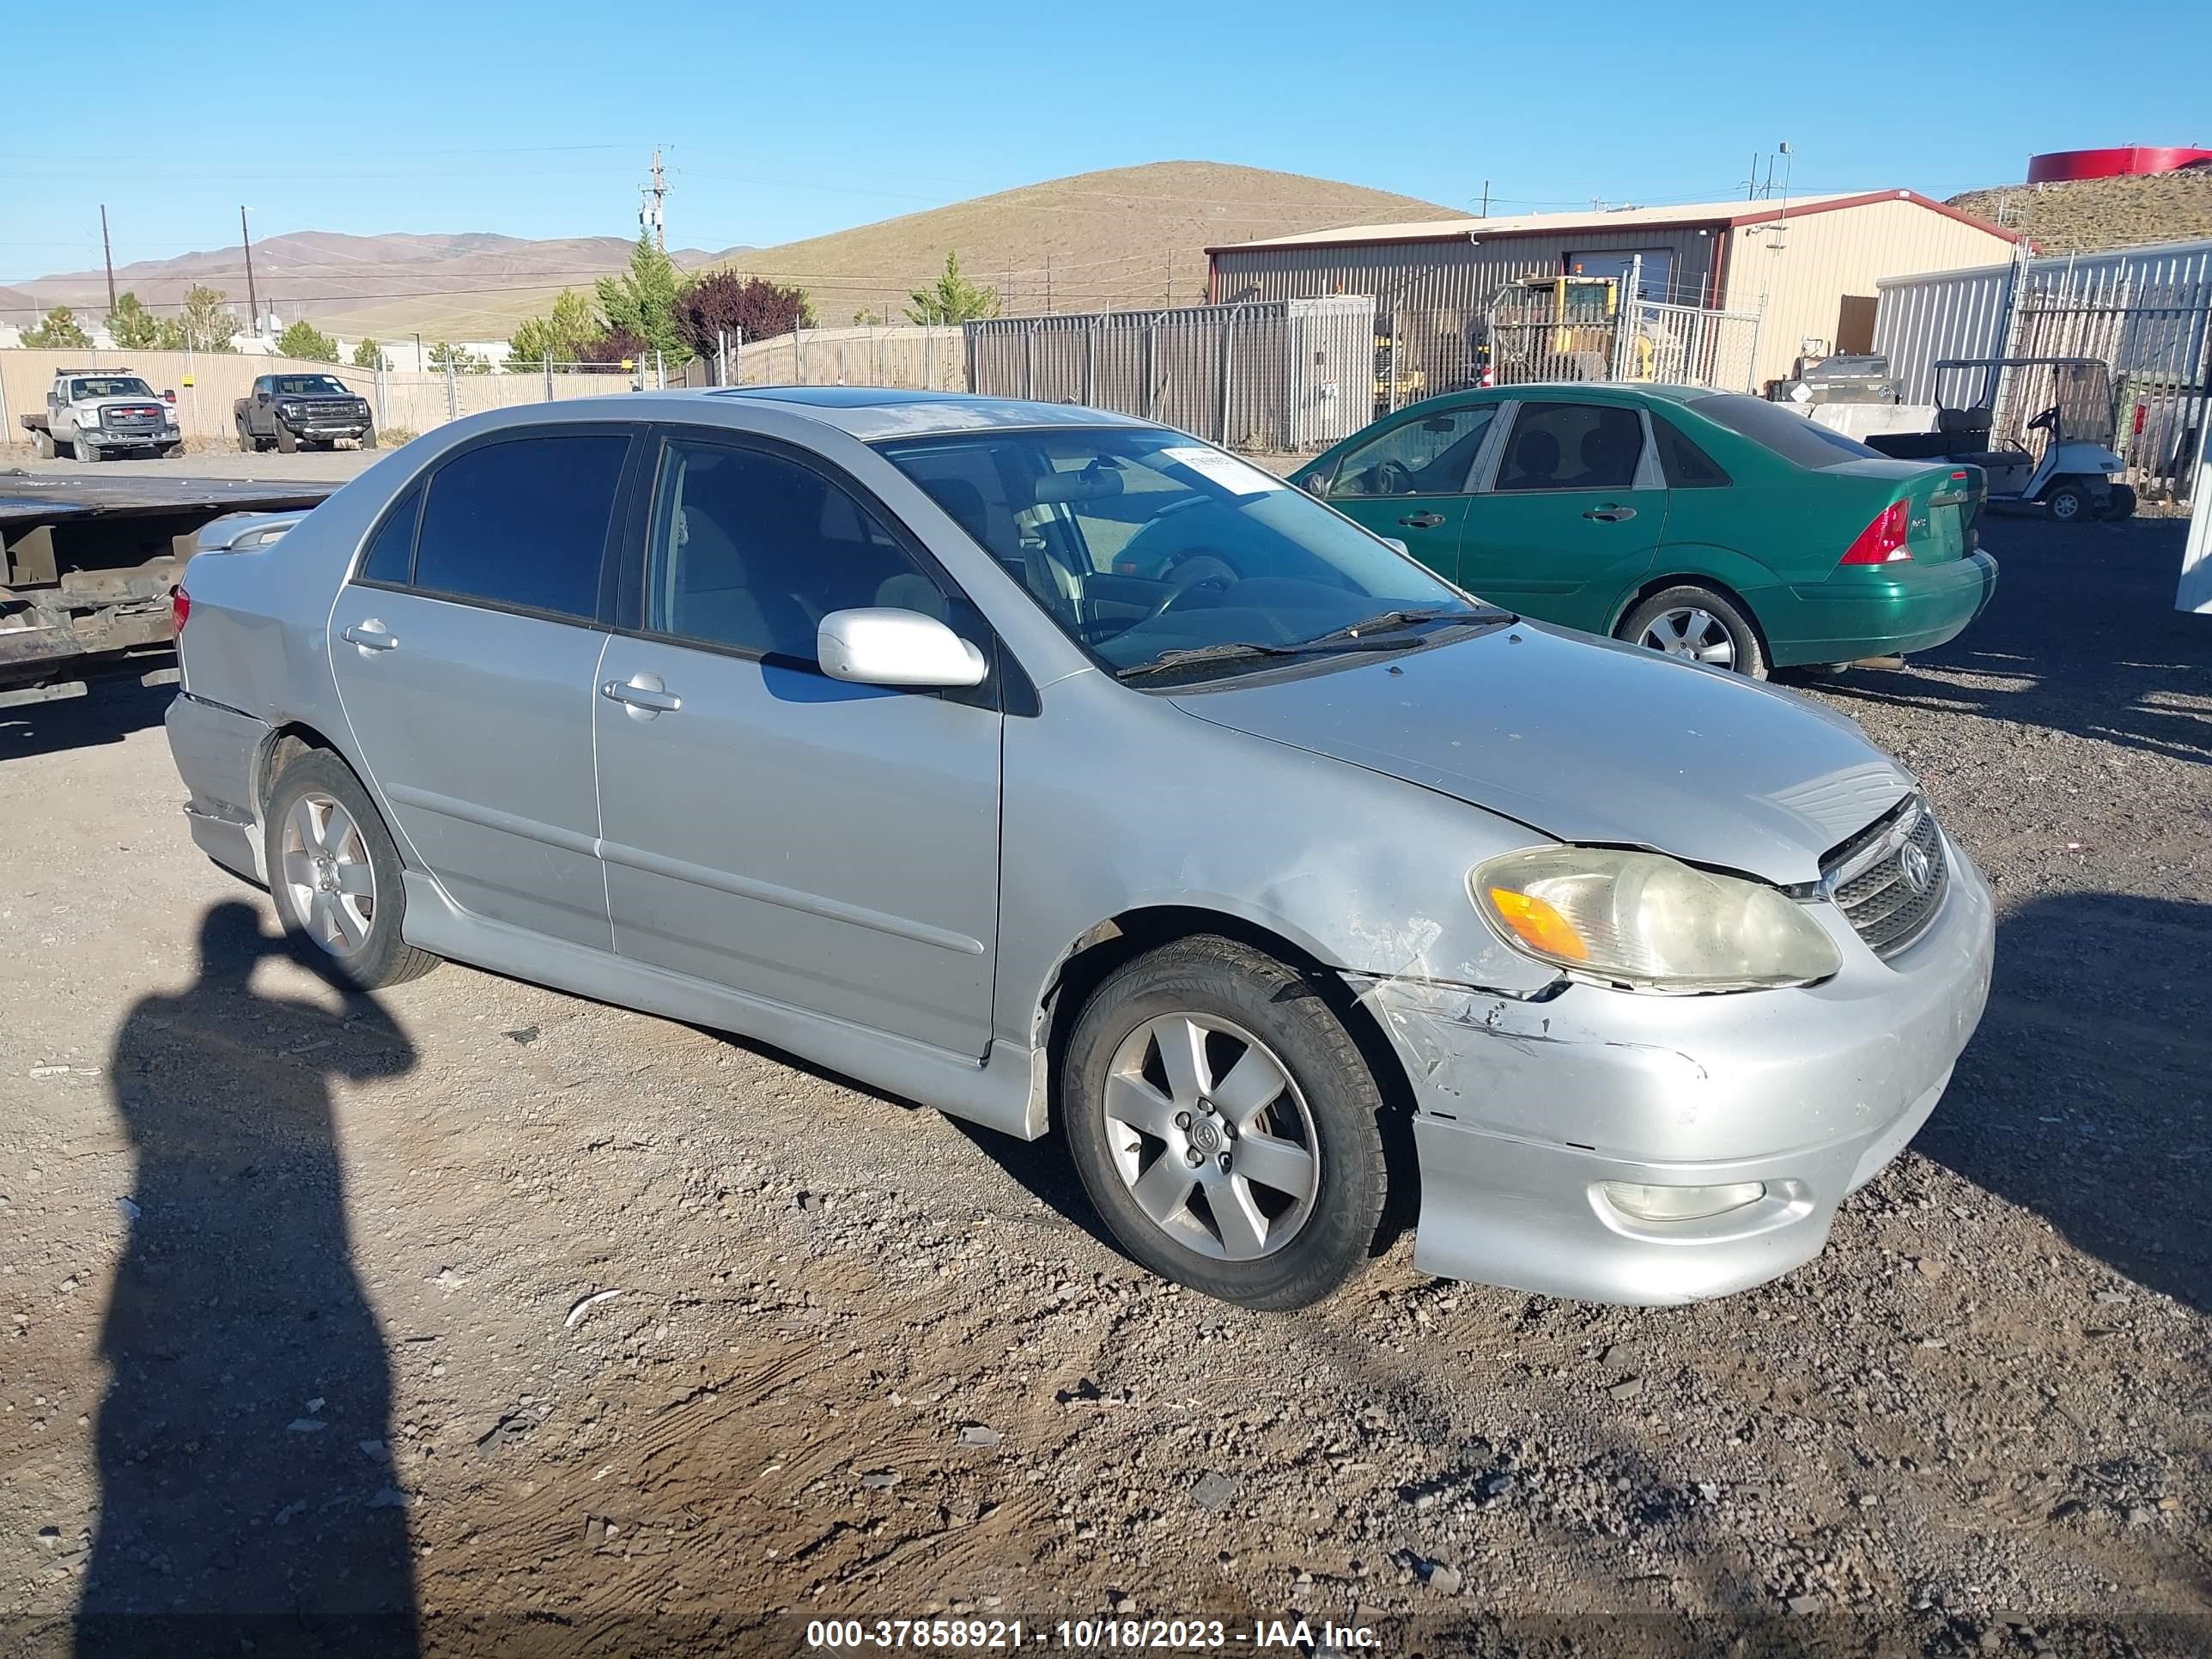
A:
[1486,199]
[1048,281]
[650,214]
[252,303]
[108,254]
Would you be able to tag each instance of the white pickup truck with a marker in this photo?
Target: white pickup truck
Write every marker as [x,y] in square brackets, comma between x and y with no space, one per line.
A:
[93,413]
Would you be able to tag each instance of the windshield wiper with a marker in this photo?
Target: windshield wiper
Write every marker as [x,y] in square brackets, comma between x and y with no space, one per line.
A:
[1227,651]
[1391,620]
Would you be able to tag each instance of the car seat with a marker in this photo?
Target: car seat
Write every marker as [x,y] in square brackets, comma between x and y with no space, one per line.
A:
[1536,459]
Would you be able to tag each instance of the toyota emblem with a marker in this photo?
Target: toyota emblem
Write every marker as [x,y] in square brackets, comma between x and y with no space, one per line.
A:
[1913,864]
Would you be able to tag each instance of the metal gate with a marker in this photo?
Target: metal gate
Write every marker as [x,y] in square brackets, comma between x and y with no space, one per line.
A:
[1570,329]
[2154,337]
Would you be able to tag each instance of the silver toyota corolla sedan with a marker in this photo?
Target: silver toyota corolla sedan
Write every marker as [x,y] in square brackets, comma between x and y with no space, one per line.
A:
[843,720]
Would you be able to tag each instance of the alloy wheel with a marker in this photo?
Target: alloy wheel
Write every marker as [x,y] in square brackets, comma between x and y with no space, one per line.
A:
[1211,1136]
[1688,631]
[327,876]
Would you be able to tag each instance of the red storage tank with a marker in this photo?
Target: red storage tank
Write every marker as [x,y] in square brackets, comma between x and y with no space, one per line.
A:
[2061,164]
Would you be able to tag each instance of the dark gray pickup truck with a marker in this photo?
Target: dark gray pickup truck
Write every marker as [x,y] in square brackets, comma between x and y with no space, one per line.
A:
[294,411]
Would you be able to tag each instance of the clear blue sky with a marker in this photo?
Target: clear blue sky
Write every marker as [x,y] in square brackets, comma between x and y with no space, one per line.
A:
[786,121]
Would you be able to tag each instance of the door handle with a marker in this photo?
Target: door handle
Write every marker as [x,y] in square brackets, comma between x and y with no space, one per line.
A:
[1610,514]
[371,635]
[1422,520]
[643,695]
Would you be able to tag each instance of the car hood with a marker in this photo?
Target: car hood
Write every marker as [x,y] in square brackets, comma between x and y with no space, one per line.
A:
[1588,740]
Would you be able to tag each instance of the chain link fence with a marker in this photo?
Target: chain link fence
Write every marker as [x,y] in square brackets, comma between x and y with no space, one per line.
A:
[1280,377]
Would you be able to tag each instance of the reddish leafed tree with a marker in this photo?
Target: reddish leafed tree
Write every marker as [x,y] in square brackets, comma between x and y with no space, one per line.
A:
[748,307]
[615,346]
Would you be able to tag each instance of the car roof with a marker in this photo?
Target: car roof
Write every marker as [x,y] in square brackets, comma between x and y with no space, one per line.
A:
[873,412]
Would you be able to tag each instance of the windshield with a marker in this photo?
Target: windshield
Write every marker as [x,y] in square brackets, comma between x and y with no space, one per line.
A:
[1790,436]
[1148,547]
[310,386]
[110,386]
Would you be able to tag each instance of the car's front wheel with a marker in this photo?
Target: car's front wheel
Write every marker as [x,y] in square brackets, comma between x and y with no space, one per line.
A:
[335,874]
[1698,625]
[1226,1124]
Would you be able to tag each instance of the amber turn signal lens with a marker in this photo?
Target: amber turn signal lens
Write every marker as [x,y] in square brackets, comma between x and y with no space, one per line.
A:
[1543,928]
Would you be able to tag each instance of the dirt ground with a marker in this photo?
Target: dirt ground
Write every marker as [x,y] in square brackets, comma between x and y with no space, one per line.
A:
[475,1319]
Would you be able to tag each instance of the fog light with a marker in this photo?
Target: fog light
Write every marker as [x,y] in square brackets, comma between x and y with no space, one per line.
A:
[1681,1203]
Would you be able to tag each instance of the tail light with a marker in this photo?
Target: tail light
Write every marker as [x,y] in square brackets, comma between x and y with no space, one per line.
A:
[180,608]
[1881,541]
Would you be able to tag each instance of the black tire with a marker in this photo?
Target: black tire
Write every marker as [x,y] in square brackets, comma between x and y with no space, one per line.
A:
[368,439]
[170,451]
[287,443]
[42,444]
[2068,504]
[1747,651]
[88,453]
[2120,505]
[247,443]
[383,957]
[1220,980]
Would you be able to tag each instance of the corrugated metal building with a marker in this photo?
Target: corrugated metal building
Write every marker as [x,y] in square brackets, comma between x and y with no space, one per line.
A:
[2165,291]
[1808,267]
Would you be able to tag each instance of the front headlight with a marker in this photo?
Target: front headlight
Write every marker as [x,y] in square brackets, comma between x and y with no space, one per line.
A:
[1648,922]
[88,417]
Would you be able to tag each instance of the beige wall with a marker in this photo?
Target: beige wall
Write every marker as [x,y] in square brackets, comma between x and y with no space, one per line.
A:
[1826,256]
[414,402]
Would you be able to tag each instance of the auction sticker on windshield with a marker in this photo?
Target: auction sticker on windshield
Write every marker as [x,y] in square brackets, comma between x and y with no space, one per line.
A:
[1227,471]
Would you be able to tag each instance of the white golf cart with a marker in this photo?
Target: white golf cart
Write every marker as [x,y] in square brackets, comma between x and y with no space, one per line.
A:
[2072,478]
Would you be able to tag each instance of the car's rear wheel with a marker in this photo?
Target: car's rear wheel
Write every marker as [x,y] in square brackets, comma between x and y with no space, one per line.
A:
[335,874]
[42,445]
[1698,625]
[1226,1124]
[2120,504]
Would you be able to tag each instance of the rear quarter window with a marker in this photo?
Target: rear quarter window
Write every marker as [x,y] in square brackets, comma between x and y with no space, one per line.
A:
[522,523]
[390,557]
[1777,430]
[1686,466]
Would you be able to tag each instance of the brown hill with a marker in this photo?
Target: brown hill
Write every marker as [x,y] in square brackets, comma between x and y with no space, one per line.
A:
[2083,216]
[1131,236]
[469,286]
[1123,238]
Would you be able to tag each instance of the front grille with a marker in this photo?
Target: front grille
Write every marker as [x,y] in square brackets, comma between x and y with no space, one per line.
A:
[1889,880]
[133,418]
[331,412]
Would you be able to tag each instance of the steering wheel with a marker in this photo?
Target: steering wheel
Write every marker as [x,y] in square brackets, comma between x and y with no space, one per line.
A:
[2049,417]
[1390,478]
[1194,574]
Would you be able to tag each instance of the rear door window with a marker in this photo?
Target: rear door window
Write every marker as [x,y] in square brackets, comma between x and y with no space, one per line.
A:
[1572,446]
[523,523]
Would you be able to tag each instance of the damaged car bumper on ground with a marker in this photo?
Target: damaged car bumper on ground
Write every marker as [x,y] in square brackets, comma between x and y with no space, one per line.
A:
[1628,1148]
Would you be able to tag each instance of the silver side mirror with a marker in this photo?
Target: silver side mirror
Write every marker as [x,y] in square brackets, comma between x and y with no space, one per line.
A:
[881,646]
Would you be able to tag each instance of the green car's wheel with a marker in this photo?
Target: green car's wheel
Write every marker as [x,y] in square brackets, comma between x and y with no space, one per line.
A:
[1698,625]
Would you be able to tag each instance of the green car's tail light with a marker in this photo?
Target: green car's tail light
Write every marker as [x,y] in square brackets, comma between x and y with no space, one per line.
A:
[1882,542]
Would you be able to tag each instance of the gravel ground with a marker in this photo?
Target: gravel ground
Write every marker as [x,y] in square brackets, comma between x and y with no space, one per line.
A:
[512,1323]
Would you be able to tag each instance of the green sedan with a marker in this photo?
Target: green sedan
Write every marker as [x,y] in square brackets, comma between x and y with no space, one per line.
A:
[1712,526]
